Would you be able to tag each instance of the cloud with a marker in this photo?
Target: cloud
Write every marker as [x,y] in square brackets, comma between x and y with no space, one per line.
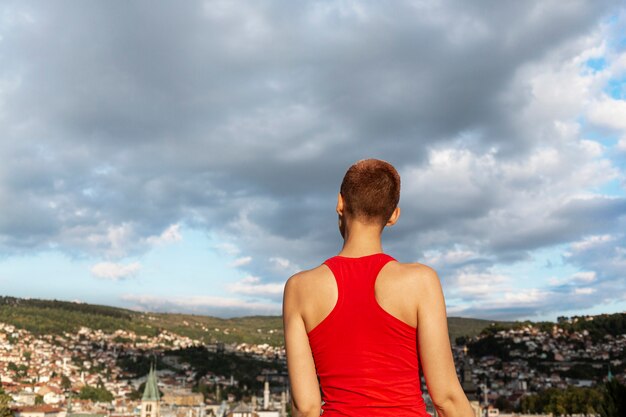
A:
[245,260]
[283,266]
[169,235]
[281,263]
[199,304]
[251,285]
[479,285]
[240,119]
[115,271]
[589,242]
[119,241]
[609,112]
[605,256]
[527,303]
[587,276]
[227,248]
[585,290]
[578,277]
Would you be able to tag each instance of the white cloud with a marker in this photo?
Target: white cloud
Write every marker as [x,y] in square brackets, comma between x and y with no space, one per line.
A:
[282,263]
[480,285]
[115,271]
[513,304]
[585,276]
[437,258]
[203,304]
[114,241]
[585,290]
[609,112]
[252,285]
[524,296]
[245,260]
[282,267]
[591,241]
[169,235]
[227,248]
[119,240]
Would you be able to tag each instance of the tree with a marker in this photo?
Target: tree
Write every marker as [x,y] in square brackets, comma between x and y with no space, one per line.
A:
[66,384]
[573,400]
[461,340]
[614,404]
[95,394]
[503,404]
[5,399]
[20,370]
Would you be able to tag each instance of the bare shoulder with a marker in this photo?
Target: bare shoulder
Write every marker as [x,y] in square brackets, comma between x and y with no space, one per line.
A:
[415,274]
[307,280]
[305,290]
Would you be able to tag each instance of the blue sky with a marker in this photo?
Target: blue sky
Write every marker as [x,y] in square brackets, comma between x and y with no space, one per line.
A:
[187,157]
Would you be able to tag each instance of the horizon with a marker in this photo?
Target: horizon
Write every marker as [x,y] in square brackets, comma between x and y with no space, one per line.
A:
[280,315]
[188,157]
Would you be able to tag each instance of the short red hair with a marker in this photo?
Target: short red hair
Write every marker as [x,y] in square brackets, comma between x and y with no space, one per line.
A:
[371,191]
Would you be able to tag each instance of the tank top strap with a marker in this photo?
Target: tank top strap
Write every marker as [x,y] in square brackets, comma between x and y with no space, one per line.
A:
[357,277]
[372,275]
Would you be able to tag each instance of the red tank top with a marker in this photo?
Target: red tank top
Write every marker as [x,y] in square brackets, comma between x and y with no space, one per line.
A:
[366,359]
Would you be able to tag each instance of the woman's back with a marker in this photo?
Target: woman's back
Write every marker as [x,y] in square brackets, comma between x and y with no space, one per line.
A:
[365,356]
[358,324]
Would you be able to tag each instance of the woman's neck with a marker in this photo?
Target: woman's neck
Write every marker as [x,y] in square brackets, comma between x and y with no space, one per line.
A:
[361,239]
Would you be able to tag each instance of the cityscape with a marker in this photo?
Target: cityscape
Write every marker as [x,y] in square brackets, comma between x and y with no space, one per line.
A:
[122,373]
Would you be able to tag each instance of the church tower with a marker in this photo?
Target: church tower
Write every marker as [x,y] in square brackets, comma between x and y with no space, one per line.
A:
[151,398]
[266,395]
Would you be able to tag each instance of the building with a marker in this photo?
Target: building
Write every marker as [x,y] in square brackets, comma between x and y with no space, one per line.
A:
[469,387]
[42,410]
[150,401]
[182,397]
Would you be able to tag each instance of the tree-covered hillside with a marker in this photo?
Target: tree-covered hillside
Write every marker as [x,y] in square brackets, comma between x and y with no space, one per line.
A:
[41,316]
[56,317]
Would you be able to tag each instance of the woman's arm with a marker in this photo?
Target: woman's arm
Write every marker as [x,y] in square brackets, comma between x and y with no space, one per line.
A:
[304,387]
[435,351]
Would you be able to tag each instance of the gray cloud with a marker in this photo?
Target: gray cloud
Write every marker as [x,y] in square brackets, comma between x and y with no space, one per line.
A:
[118,120]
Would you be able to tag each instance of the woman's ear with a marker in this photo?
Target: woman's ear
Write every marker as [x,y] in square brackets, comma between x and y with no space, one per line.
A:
[394,217]
[339,208]
[340,220]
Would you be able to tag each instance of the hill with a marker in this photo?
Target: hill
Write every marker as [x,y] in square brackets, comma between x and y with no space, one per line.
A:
[41,316]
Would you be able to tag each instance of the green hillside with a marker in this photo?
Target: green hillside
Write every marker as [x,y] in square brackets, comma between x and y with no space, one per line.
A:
[249,329]
[470,327]
[55,317]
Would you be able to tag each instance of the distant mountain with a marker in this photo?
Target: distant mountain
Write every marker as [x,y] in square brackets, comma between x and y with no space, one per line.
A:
[55,317]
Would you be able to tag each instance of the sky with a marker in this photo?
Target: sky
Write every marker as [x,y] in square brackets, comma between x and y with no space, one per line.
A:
[186,156]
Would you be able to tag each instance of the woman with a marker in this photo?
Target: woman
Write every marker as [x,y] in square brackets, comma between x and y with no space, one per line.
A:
[361,321]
